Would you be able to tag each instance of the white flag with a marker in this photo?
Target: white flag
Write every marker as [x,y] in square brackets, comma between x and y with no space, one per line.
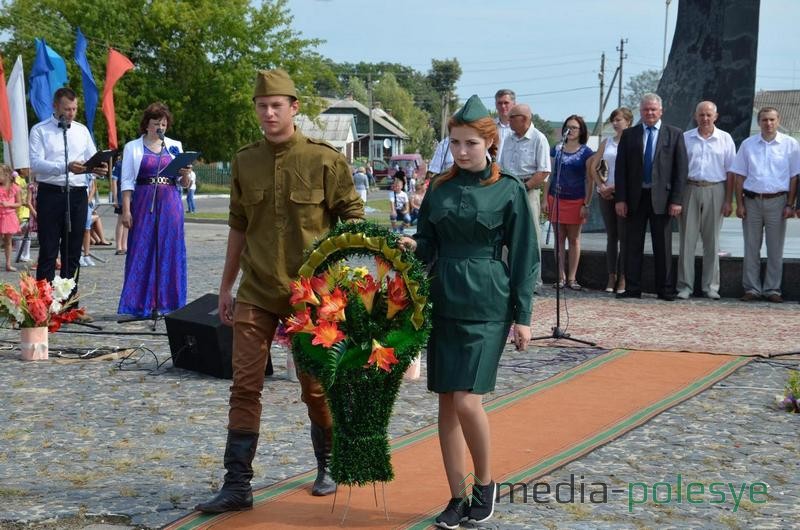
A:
[17,153]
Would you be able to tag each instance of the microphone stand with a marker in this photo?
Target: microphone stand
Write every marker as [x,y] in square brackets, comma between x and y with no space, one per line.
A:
[558,333]
[154,314]
[63,125]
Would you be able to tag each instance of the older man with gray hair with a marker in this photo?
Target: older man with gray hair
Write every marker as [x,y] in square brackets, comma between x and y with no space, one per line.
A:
[526,155]
[650,173]
[707,199]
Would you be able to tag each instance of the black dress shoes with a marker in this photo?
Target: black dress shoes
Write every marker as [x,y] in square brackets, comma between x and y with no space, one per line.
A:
[630,294]
[666,297]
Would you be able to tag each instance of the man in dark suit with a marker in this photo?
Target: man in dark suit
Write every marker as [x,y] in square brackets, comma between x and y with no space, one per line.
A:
[651,171]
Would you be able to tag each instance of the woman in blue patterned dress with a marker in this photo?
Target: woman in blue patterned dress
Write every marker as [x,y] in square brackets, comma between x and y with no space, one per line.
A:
[155,266]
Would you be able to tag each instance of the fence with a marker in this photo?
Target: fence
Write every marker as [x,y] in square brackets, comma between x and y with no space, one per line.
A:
[216,174]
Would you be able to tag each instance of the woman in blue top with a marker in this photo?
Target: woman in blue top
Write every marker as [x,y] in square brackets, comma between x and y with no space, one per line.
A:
[573,189]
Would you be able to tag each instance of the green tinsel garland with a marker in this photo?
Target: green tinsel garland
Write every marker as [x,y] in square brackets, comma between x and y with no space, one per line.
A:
[361,399]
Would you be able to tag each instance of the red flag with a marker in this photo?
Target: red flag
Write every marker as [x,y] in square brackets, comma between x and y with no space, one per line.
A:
[116,67]
[5,113]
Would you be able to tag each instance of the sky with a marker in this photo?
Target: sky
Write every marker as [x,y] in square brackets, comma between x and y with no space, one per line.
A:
[547,51]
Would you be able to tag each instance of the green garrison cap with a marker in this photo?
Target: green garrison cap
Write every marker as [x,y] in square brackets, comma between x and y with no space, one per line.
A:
[274,83]
[472,110]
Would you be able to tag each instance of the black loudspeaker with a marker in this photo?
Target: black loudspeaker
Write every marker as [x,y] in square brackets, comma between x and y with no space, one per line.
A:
[198,340]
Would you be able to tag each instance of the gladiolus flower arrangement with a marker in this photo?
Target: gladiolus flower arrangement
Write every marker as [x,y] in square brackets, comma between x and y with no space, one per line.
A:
[38,303]
[357,330]
[328,302]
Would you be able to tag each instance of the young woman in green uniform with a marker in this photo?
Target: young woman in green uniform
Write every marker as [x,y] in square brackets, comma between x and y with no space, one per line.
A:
[469,215]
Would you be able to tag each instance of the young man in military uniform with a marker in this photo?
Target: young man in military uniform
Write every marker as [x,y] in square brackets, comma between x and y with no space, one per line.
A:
[286,191]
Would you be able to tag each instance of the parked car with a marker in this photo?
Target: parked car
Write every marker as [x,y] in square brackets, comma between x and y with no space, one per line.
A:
[410,164]
[380,170]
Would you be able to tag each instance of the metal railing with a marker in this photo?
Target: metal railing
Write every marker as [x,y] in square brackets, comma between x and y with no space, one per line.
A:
[213,174]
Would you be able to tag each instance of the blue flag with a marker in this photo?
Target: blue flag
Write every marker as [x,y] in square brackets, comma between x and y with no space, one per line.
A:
[40,95]
[58,75]
[90,94]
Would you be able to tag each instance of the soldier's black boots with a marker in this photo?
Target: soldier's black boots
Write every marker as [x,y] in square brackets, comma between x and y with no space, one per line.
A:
[322,439]
[236,494]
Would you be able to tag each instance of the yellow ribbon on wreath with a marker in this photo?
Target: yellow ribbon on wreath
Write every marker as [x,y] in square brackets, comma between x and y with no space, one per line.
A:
[346,241]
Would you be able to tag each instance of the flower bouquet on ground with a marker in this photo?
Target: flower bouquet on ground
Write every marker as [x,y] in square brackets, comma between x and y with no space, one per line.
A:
[39,303]
[358,333]
[790,400]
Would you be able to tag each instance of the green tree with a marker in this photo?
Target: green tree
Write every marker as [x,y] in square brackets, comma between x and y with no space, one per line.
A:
[200,57]
[397,101]
[443,76]
[639,85]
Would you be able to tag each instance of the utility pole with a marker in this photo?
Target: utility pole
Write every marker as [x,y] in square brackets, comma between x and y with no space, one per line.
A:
[601,76]
[370,155]
[445,113]
[622,57]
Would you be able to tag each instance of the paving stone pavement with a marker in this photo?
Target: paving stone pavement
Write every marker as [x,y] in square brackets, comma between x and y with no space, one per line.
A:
[132,442]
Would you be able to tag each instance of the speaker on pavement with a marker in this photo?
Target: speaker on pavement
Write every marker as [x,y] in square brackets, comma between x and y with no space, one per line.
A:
[198,340]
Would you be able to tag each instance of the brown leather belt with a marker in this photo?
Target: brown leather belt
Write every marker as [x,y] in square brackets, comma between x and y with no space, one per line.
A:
[752,195]
[703,183]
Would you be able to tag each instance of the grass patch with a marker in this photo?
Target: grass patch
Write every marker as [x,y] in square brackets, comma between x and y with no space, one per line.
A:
[12,492]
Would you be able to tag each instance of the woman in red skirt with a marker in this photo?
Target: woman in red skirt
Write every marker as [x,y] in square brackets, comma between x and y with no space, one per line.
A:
[569,193]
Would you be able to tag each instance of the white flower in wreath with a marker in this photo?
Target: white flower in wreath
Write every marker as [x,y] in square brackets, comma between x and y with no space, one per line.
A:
[55,306]
[62,287]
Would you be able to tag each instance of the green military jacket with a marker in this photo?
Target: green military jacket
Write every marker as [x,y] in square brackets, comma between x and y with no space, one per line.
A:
[463,227]
[283,197]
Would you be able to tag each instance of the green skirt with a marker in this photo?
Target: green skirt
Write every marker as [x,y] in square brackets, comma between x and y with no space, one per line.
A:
[464,354]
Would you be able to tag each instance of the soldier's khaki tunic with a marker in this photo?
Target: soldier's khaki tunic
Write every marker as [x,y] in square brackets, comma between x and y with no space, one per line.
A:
[283,197]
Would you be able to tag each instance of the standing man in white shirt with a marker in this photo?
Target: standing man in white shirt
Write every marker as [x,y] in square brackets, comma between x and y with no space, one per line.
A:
[48,162]
[526,155]
[706,201]
[504,99]
[766,169]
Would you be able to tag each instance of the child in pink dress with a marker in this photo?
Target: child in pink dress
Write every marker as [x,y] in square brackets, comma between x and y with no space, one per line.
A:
[9,202]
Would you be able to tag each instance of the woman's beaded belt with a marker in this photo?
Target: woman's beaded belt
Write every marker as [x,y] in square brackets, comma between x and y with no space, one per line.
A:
[154,180]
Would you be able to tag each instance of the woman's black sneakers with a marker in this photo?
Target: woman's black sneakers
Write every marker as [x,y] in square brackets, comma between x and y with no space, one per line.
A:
[454,514]
[482,506]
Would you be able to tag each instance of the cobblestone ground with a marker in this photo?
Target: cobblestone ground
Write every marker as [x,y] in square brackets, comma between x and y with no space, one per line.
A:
[135,442]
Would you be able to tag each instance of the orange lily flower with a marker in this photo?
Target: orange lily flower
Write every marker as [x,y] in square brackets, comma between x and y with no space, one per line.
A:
[383,268]
[322,283]
[333,305]
[382,357]
[303,292]
[326,334]
[366,290]
[397,298]
[300,322]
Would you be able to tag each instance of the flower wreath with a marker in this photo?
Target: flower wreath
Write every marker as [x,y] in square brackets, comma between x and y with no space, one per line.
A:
[358,334]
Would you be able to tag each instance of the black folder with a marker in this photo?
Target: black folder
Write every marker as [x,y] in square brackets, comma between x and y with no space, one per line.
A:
[181,160]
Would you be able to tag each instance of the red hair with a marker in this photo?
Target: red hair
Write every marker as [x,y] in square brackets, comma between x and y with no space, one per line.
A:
[486,129]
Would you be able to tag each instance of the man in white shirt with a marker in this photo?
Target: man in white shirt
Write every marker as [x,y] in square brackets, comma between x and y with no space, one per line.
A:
[504,99]
[48,162]
[706,200]
[766,169]
[526,155]
[442,158]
